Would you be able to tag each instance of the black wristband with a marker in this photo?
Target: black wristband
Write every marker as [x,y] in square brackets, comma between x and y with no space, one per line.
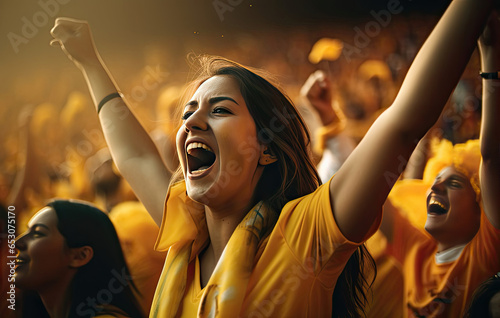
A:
[107,99]
[489,75]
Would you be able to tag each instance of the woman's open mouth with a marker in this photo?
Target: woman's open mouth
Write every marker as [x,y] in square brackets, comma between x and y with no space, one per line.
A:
[436,207]
[200,158]
[20,262]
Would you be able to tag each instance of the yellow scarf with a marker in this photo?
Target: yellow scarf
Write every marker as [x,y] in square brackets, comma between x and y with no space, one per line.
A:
[184,233]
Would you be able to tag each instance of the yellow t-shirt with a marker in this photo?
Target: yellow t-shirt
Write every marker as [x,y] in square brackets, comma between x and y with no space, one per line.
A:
[296,266]
[386,298]
[443,290]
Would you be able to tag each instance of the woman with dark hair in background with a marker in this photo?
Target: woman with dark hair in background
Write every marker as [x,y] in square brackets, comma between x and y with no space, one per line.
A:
[249,230]
[71,257]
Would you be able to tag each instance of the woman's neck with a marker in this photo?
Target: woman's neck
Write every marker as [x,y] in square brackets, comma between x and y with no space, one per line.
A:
[221,224]
[443,247]
[57,300]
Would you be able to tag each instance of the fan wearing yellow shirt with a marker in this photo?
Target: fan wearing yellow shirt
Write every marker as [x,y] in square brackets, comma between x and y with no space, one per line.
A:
[444,262]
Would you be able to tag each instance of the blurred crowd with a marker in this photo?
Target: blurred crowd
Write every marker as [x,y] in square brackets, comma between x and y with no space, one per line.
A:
[58,117]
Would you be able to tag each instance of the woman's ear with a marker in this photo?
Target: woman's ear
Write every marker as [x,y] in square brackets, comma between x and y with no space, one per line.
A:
[80,256]
[266,157]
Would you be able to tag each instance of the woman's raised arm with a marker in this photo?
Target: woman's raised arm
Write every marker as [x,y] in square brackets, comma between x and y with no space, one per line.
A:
[132,149]
[489,173]
[359,189]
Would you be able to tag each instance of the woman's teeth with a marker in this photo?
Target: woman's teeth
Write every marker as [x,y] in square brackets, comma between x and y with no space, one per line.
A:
[195,145]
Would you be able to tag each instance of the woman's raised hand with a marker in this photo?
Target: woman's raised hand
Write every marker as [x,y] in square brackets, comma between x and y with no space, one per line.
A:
[75,39]
[489,43]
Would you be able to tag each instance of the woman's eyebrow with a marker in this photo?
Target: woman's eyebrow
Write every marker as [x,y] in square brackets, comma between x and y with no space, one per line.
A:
[212,100]
[39,224]
[217,99]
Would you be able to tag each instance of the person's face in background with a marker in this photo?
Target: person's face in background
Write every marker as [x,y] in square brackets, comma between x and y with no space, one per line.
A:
[453,214]
[43,260]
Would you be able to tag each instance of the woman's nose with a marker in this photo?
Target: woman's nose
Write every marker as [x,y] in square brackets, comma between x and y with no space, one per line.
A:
[20,242]
[438,186]
[197,121]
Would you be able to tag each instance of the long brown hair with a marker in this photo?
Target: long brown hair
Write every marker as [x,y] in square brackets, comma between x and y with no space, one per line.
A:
[281,128]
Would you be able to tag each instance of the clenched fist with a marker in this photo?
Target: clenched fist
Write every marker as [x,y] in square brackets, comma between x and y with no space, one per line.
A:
[75,39]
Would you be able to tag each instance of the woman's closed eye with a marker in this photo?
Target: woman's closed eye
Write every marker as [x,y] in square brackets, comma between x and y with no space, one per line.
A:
[37,233]
[33,233]
[455,184]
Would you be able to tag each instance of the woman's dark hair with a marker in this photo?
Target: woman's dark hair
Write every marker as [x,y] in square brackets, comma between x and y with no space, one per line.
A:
[106,276]
[480,304]
[350,294]
[281,128]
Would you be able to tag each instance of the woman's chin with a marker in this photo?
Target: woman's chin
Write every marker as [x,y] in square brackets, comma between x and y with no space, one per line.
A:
[21,282]
[198,195]
[201,193]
